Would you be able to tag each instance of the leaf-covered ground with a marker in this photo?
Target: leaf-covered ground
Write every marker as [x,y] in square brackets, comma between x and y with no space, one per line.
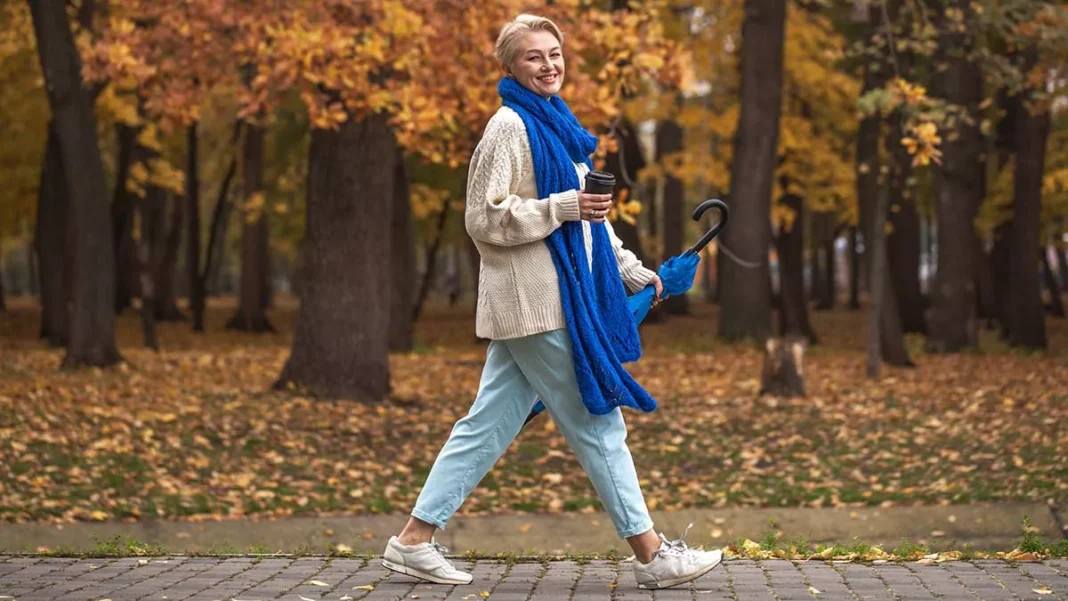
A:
[193,432]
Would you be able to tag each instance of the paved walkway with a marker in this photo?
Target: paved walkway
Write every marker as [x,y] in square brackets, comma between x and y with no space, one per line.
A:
[313,578]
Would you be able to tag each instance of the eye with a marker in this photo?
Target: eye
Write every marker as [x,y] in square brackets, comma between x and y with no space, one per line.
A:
[556,54]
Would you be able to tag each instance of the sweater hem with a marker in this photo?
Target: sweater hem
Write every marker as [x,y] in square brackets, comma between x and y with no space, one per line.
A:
[505,326]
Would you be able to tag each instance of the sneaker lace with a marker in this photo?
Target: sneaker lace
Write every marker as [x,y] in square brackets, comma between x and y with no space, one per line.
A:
[677,546]
[439,549]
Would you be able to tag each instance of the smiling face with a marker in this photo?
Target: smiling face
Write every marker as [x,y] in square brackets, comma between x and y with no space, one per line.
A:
[539,65]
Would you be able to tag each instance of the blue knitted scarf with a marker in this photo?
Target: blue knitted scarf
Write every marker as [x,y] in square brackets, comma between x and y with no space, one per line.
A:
[603,333]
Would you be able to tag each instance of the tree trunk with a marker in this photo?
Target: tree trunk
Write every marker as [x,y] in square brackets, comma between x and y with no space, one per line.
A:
[1026,319]
[165,303]
[903,244]
[854,270]
[815,267]
[708,277]
[885,339]
[192,247]
[92,329]
[793,314]
[1055,305]
[402,263]
[1062,265]
[953,323]
[891,330]
[264,247]
[150,209]
[251,316]
[220,221]
[745,297]
[341,345]
[668,141]
[51,241]
[431,264]
[721,258]
[986,295]
[122,220]
[625,165]
[829,292]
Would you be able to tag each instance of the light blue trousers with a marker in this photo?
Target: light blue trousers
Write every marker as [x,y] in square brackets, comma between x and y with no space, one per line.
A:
[518,371]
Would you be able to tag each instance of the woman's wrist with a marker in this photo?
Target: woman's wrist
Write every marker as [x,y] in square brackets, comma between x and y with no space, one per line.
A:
[567,205]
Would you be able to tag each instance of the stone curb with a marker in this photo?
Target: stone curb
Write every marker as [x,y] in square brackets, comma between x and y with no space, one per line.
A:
[317,578]
[993,527]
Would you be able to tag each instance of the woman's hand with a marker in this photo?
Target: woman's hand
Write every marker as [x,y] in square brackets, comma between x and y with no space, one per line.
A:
[658,286]
[594,207]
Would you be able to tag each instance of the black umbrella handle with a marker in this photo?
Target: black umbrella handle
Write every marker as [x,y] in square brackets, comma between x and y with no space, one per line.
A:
[711,203]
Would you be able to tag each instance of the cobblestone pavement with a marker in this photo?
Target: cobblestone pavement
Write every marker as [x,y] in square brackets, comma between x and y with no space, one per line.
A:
[316,578]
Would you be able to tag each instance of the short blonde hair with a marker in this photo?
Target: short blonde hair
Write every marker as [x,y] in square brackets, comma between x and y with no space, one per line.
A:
[508,41]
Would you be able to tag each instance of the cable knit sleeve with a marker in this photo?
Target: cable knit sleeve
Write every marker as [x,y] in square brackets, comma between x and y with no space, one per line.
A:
[495,214]
[635,275]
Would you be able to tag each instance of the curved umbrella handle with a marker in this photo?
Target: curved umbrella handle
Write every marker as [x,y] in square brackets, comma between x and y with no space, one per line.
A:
[711,203]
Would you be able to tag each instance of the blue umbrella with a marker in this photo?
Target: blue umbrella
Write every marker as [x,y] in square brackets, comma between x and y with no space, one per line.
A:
[676,274]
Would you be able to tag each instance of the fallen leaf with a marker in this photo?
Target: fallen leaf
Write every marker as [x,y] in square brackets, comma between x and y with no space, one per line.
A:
[1043,590]
[318,583]
[303,598]
[366,587]
[484,594]
[346,598]
[142,562]
[716,532]
[343,548]
[813,590]
[524,528]
[1023,556]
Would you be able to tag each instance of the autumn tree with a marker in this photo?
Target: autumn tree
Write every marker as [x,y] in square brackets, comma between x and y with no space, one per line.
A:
[953,320]
[745,297]
[92,334]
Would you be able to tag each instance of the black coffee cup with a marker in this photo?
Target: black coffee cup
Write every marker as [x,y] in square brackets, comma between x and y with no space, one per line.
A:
[600,182]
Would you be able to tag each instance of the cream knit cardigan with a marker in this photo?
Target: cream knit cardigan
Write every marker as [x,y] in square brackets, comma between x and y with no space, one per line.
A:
[518,291]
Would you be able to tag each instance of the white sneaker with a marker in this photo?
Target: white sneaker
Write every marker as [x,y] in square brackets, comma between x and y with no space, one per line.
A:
[425,560]
[674,563]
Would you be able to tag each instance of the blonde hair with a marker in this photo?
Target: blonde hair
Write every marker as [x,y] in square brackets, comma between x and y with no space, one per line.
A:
[508,41]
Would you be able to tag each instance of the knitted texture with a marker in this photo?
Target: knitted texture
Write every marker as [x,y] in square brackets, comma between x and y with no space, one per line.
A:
[603,334]
[518,290]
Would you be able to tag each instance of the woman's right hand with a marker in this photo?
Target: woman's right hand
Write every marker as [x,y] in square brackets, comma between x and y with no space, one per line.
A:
[594,207]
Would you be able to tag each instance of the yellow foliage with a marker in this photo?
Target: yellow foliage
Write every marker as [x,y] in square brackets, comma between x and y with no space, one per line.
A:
[625,208]
[253,207]
[922,143]
[427,201]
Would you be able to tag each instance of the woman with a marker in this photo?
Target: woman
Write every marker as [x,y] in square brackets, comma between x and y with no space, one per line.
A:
[558,324]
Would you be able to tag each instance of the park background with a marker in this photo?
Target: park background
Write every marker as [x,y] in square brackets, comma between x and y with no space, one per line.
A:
[180,176]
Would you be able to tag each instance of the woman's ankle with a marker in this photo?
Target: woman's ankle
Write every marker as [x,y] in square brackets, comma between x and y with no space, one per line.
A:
[416,532]
[644,546]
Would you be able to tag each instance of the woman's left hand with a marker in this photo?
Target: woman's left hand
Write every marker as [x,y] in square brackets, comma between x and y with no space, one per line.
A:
[659,287]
